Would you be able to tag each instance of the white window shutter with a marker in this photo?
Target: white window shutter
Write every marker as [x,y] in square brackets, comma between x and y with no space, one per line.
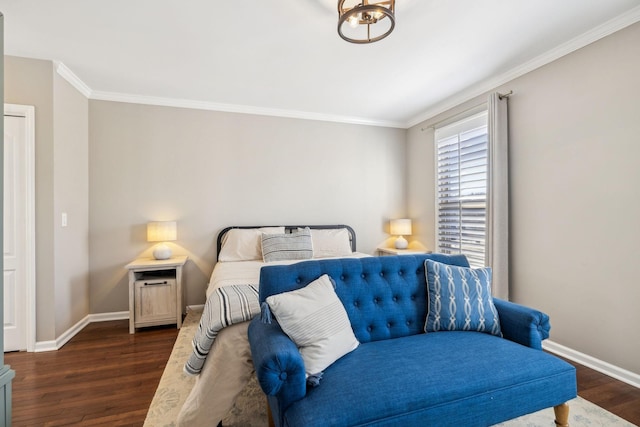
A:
[473,191]
[462,155]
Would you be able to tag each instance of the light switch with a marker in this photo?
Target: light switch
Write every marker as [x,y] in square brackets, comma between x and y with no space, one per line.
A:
[64,219]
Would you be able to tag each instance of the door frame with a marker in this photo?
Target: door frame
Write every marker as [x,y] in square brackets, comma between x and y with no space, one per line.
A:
[28,112]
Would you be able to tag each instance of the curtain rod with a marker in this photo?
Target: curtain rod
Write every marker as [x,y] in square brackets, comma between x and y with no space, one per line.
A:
[505,95]
[465,112]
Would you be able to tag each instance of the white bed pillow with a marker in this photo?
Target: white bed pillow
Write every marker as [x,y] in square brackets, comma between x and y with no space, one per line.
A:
[331,242]
[315,319]
[244,244]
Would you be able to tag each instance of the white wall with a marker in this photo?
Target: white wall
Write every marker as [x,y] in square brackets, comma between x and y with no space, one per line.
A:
[209,170]
[575,195]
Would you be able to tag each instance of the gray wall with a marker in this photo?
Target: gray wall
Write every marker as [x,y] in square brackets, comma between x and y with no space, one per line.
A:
[61,144]
[71,195]
[208,170]
[575,198]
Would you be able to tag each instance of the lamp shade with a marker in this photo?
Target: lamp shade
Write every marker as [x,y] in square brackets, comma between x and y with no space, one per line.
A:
[164,231]
[400,227]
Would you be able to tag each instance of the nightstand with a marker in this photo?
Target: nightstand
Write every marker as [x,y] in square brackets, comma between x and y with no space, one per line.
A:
[394,251]
[155,292]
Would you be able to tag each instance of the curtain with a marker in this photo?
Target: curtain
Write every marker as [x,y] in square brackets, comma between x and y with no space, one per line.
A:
[498,196]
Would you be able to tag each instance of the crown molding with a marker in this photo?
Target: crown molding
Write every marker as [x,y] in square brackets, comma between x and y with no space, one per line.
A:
[73,80]
[234,108]
[593,35]
[76,82]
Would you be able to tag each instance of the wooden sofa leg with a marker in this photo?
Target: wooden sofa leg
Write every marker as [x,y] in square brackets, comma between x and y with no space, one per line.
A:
[270,416]
[562,415]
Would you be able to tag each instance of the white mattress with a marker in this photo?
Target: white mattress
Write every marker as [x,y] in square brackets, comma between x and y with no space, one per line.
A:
[248,272]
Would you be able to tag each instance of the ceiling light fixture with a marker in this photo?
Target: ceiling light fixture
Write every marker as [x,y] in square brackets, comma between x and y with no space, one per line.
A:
[357,17]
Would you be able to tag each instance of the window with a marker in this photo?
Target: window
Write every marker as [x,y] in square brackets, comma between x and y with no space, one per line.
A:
[462,177]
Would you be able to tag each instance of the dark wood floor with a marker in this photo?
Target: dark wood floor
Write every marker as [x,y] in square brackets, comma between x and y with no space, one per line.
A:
[615,396]
[106,377]
[102,377]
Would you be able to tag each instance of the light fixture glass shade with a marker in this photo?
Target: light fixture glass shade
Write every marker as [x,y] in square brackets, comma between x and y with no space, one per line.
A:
[163,231]
[365,21]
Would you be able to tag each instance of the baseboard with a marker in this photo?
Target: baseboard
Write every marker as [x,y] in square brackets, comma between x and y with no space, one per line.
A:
[199,307]
[44,346]
[606,368]
[106,317]
[57,344]
[71,332]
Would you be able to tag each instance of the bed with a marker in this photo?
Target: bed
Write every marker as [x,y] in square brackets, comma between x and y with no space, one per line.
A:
[221,359]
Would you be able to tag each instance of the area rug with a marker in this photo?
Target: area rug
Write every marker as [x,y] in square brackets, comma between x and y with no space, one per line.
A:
[250,407]
[249,410]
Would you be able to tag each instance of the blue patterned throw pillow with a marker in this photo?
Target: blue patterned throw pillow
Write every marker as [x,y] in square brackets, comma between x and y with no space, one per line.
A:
[460,299]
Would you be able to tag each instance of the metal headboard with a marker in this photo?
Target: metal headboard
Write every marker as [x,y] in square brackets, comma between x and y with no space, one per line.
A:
[288,229]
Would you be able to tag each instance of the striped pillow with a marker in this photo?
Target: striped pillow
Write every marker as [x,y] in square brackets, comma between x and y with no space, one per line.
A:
[315,319]
[281,247]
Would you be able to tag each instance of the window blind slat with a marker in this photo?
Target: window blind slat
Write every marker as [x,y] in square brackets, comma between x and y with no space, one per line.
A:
[462,166]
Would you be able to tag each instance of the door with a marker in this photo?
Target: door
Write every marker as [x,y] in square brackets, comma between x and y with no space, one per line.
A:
[16,233]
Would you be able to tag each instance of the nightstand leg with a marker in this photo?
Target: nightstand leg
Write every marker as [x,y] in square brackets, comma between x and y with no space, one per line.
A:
[179,294]
[132,319]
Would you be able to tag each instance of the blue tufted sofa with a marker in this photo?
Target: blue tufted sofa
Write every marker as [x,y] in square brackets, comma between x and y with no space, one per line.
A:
[400,376]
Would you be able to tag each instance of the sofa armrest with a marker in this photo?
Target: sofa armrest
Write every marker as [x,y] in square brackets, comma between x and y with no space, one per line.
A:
[278,363]
[521,324]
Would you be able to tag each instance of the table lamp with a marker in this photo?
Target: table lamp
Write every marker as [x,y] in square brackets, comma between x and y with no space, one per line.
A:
[400,228]
[163,231]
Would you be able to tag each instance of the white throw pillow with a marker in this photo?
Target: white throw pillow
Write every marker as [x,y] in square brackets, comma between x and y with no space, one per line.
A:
[315,319]
[244,244]
[332,242]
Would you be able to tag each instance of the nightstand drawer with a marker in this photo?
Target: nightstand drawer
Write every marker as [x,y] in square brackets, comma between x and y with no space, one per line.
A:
[155,301]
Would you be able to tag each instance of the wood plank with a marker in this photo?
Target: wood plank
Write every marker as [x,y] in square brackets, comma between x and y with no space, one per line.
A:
[102,377]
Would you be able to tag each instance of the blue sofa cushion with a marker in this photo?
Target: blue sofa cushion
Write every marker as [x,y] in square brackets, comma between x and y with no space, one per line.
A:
[460,299]
[444,379]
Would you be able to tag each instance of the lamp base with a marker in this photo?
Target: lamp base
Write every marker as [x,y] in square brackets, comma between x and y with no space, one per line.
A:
[401,243]
[161,251]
